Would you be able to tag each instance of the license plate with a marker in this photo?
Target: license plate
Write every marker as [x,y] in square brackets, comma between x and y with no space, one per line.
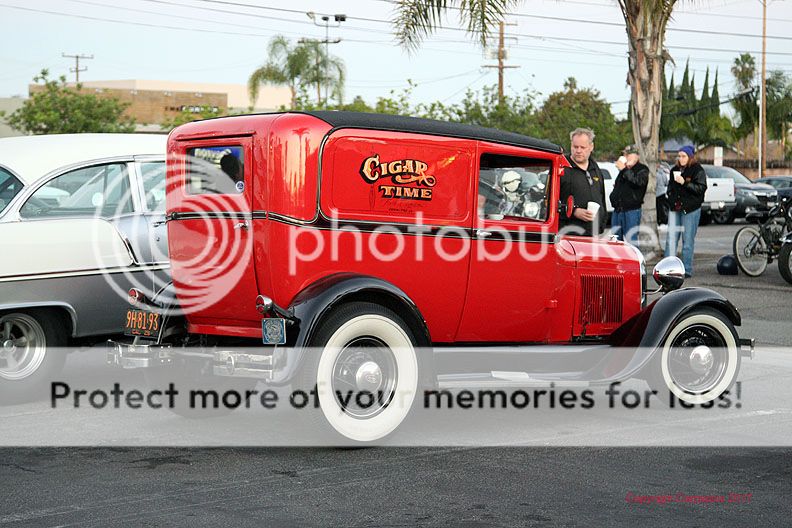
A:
[715,205]
[142,323]
[273,331]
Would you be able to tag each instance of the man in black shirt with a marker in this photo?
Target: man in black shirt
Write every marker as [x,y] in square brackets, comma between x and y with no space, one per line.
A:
[627,196]
[584,182]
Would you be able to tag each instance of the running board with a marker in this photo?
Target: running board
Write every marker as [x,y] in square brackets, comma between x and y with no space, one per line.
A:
[505,379]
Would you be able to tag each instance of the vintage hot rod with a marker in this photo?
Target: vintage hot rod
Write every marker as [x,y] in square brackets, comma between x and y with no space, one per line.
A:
[337,249]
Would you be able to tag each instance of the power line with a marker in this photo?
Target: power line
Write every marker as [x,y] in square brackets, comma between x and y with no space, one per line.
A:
[381,21]
[681,11]
[181,28]
[129,22]
[86,2]
[560,40]
[605,23]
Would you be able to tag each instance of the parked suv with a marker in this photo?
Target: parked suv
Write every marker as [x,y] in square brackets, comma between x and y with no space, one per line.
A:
[754,200]
[345,252]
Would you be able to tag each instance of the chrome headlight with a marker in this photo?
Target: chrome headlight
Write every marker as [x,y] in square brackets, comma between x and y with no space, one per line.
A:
[669,274]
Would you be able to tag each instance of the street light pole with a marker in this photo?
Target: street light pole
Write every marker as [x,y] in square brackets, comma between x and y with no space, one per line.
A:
[763,109]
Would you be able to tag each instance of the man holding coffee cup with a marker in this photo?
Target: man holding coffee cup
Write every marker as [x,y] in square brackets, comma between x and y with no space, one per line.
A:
[628,194]
[686,189]
[584,182]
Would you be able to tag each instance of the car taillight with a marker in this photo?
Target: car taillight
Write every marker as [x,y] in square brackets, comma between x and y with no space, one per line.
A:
[135,297]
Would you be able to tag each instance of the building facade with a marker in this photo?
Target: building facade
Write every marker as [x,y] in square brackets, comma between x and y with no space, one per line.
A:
[152,103]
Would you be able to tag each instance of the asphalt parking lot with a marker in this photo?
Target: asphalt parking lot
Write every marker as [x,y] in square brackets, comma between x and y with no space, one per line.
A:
[583,480]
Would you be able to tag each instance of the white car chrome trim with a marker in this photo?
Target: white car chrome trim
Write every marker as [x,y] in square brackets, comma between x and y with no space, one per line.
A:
[95,271]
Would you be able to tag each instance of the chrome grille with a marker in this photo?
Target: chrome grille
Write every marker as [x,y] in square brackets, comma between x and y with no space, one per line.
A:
[601,299]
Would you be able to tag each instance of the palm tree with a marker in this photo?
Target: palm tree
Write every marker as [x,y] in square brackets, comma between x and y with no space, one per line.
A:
[297,67]
[645,22]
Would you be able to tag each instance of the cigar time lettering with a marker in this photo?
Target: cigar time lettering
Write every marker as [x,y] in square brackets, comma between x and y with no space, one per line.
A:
[409,178]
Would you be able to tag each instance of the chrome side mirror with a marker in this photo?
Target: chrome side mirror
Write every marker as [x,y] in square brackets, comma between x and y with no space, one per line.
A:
[669,274]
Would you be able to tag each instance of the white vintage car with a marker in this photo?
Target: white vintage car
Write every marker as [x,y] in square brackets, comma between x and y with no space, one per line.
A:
[80,223]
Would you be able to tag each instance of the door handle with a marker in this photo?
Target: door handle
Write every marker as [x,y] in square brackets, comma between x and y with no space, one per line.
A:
[241,225]
[480,233]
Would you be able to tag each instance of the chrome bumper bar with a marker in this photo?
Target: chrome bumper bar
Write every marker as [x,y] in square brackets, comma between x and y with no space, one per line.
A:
[226,363]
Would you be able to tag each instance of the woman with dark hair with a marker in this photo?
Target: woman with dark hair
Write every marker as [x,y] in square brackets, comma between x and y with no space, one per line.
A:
[686,189]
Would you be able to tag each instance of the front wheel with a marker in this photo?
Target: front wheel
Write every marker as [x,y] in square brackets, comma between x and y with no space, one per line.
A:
[723,217]
[365,370]
[700,358]
[750,250]
[785,262]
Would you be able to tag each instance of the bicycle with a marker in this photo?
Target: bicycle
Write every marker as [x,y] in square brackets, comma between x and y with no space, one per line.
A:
[756,246]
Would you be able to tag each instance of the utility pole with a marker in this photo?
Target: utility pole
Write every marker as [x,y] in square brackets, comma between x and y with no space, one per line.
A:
[763,108]
[326,23]
[501,58]
[76,70]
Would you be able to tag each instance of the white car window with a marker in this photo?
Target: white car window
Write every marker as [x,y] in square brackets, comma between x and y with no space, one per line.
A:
[101,190]
[153,174]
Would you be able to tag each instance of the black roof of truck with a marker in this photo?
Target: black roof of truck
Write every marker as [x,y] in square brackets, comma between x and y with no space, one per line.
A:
[397,123]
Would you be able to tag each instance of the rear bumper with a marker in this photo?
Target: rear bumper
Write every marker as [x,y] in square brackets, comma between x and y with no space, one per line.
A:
[229,363]
[719,206]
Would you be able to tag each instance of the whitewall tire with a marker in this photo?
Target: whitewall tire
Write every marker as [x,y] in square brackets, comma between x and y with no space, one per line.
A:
[700,358]
[365,370]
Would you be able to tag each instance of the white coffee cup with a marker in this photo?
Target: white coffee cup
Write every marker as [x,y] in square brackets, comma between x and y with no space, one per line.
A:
[593,207]
[622,160]
[678,176]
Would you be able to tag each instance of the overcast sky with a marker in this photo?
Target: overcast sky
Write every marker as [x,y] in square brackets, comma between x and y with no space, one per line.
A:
[224,41]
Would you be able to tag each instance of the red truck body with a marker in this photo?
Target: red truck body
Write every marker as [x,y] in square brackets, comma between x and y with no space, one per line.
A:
[304,189]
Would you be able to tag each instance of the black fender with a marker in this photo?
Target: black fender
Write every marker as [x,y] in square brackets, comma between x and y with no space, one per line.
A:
[311,305]
[646,331]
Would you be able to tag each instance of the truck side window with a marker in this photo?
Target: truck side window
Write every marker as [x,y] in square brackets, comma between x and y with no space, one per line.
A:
[215,170]
[511,186]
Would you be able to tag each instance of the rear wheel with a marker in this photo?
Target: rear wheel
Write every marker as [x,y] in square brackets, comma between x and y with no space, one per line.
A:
[365,370]
[700,359]
[785,262]
[29,354]
[751,251]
